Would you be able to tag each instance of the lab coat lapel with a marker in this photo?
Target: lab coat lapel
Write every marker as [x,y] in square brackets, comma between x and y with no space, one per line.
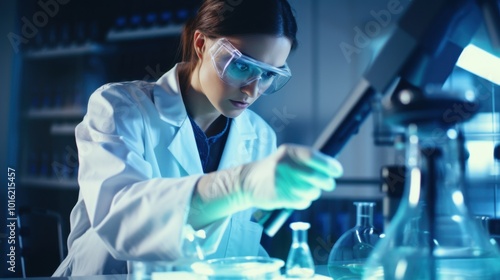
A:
[168,99]
[239,143]
[183,148]
[169,103]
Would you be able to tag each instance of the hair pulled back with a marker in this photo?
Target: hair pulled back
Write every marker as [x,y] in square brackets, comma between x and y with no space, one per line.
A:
[220,18]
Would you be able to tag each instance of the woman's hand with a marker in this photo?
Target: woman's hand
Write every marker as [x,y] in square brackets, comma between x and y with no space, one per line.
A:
[292,177]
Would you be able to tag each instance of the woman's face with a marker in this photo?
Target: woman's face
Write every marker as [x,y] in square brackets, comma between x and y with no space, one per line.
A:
[232,100]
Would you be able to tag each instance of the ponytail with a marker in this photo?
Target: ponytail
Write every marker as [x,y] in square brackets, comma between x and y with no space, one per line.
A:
[187,41]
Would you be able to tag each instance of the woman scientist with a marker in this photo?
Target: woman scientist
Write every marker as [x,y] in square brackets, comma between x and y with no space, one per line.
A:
[185,150]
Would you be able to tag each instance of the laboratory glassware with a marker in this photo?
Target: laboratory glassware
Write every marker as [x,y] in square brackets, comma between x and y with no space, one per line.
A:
[484,223]
[433,236]
[191,253]
[239,268]
[352,249]
[299,263]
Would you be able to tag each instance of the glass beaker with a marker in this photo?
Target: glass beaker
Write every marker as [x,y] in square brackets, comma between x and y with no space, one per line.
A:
[191,253]
[299,263]
[352,249]
[433,236]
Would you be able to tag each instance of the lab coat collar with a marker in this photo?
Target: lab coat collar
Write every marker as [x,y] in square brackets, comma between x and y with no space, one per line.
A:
[171,109]
[168,99]
[237,150]
[189,158]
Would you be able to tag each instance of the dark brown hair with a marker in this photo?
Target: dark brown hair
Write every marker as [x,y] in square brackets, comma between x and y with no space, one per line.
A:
[219,18]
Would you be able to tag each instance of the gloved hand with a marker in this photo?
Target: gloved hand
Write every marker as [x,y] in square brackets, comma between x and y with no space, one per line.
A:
[292,177]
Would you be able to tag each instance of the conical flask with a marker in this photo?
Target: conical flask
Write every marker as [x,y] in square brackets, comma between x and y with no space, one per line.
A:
[351,250]
[299,263]
[433,236]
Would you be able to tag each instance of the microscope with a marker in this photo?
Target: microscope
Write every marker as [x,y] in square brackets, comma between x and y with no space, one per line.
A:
[406,80]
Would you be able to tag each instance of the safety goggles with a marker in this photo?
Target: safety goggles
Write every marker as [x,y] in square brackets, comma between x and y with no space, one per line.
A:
[238,70]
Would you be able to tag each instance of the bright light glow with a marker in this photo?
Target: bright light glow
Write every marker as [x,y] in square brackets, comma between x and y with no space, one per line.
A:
[189,236]
[470,95]
[201,234]
[237,267]
[401,267]
[458,198]
[456,218]
[405,97]
[480,63]
[414,187]
[493,241]
[452,134]
[413,139]
[480,157]
[202,268]
[300,226]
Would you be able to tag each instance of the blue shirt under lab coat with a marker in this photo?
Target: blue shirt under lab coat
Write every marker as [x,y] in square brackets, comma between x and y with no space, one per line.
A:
[139,165]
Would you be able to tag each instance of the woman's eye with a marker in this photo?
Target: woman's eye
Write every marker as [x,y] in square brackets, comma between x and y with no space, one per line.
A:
[241,66]
[268,75]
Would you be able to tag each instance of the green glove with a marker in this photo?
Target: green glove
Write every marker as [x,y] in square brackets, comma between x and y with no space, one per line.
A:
[292,177]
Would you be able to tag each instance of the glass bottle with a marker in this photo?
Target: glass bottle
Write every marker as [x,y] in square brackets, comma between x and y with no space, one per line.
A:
[484,223]
[433,236]
[351,250]
[299,263]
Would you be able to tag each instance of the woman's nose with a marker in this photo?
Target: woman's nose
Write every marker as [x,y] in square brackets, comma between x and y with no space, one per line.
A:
[251,89]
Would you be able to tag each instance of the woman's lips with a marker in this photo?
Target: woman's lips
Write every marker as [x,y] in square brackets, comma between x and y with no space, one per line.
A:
[239,104]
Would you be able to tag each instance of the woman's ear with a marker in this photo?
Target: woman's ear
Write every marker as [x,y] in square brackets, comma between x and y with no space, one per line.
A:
[199,43]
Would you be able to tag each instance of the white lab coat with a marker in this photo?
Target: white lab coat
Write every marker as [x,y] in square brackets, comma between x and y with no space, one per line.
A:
[139,164]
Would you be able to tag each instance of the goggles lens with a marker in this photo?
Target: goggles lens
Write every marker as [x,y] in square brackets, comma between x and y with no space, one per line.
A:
[238,70]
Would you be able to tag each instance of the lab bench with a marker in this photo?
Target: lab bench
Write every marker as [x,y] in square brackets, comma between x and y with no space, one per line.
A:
[321,272]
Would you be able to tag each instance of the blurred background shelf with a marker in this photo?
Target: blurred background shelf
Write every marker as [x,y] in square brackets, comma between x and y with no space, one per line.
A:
[56,113]
[53,183]
[64,51]
[355,188]
[144,33]
[63,129]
